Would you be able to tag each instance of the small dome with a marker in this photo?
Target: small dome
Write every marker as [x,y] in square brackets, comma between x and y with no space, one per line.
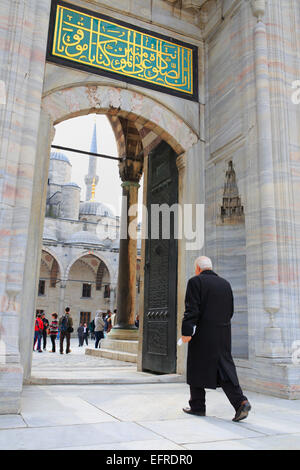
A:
[95,208]
[84,237]
[107,242]
[59,156]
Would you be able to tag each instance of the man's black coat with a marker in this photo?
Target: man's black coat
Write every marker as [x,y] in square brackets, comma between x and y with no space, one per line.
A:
[209,307]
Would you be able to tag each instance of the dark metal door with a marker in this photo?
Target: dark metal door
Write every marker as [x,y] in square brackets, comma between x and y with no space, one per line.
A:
[160,285]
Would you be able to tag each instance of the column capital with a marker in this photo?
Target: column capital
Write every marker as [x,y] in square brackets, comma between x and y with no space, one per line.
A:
[258,8]
[130,183]
[131,170]
[181,162]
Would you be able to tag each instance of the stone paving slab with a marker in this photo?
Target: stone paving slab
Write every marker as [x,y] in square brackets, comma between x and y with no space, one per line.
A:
[145,416]
[139,406]
[280,442]
[61,411]
[195,429]
[139,416]
[57,437]
[159,444]
[12,421]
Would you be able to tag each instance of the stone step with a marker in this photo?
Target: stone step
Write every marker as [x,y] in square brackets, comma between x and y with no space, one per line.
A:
[127,346]
[112,354]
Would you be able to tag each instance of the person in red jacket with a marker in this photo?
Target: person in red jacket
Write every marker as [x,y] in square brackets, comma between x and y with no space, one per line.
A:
[38,332]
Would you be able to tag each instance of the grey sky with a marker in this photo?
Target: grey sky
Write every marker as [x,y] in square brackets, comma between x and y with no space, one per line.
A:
[77,133]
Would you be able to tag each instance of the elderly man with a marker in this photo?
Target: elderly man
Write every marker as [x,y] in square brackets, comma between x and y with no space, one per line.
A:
[207,330]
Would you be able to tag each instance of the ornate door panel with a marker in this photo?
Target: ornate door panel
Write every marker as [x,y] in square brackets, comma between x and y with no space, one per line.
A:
[159,335]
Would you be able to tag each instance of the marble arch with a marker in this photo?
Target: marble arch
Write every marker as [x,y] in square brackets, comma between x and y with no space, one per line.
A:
[88,253]
[144,111]
[51,253]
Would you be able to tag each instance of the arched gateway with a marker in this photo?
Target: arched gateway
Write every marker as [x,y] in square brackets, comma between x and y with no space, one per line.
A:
[142,127]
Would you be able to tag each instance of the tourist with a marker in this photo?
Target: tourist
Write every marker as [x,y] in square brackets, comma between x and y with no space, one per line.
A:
[207,330]
[114,318]
[108,321]
[92,329]
[45,329]
[99,327]
[66,328]
[85,334]
[53,330]
[38,332]
[137,321]
[80,331]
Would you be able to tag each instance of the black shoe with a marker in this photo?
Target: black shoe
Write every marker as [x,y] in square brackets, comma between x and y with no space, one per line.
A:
[242,411]
[189,411]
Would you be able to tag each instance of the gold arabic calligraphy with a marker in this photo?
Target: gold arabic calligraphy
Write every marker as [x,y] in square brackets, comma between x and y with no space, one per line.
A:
[104,44]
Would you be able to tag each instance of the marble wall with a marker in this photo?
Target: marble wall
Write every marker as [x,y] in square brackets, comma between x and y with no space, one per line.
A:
[248,115]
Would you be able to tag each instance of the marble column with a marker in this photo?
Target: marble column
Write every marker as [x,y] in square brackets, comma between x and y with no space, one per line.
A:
[34,242]
[112,299]
[22,71]
[273,346]
[130,173]
[62,293]
[181,283]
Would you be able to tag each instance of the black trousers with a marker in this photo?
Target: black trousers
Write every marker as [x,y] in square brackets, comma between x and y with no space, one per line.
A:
[234,394]
[63,335]
[44,339]
[99,335]
[85,338]
[53,338]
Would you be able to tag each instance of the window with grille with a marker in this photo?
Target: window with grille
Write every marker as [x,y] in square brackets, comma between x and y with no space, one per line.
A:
[85,317]
[86,290]
[106,292]
[42,285]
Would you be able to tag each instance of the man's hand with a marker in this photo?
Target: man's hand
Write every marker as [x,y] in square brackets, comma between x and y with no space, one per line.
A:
[186,339]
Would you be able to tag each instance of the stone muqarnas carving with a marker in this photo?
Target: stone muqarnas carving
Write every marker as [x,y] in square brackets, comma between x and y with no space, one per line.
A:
[232,211]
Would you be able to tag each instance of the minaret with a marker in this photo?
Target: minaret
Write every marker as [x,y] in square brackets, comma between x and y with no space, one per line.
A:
[91,179]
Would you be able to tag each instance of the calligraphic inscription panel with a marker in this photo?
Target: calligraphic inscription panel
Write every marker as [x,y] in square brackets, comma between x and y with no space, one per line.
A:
[98,44]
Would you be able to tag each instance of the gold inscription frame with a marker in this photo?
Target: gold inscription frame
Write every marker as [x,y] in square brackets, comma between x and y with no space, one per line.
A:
[95,43]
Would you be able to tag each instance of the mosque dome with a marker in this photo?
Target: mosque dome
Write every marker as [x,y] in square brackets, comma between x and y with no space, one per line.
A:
[95,208]
[59,156]
[83,237]
[107,242]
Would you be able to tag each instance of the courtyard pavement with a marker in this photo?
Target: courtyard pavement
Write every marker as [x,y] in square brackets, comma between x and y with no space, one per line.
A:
[139,416]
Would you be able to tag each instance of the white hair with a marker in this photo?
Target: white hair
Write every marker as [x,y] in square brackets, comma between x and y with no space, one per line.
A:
[99,313]
[203,262]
